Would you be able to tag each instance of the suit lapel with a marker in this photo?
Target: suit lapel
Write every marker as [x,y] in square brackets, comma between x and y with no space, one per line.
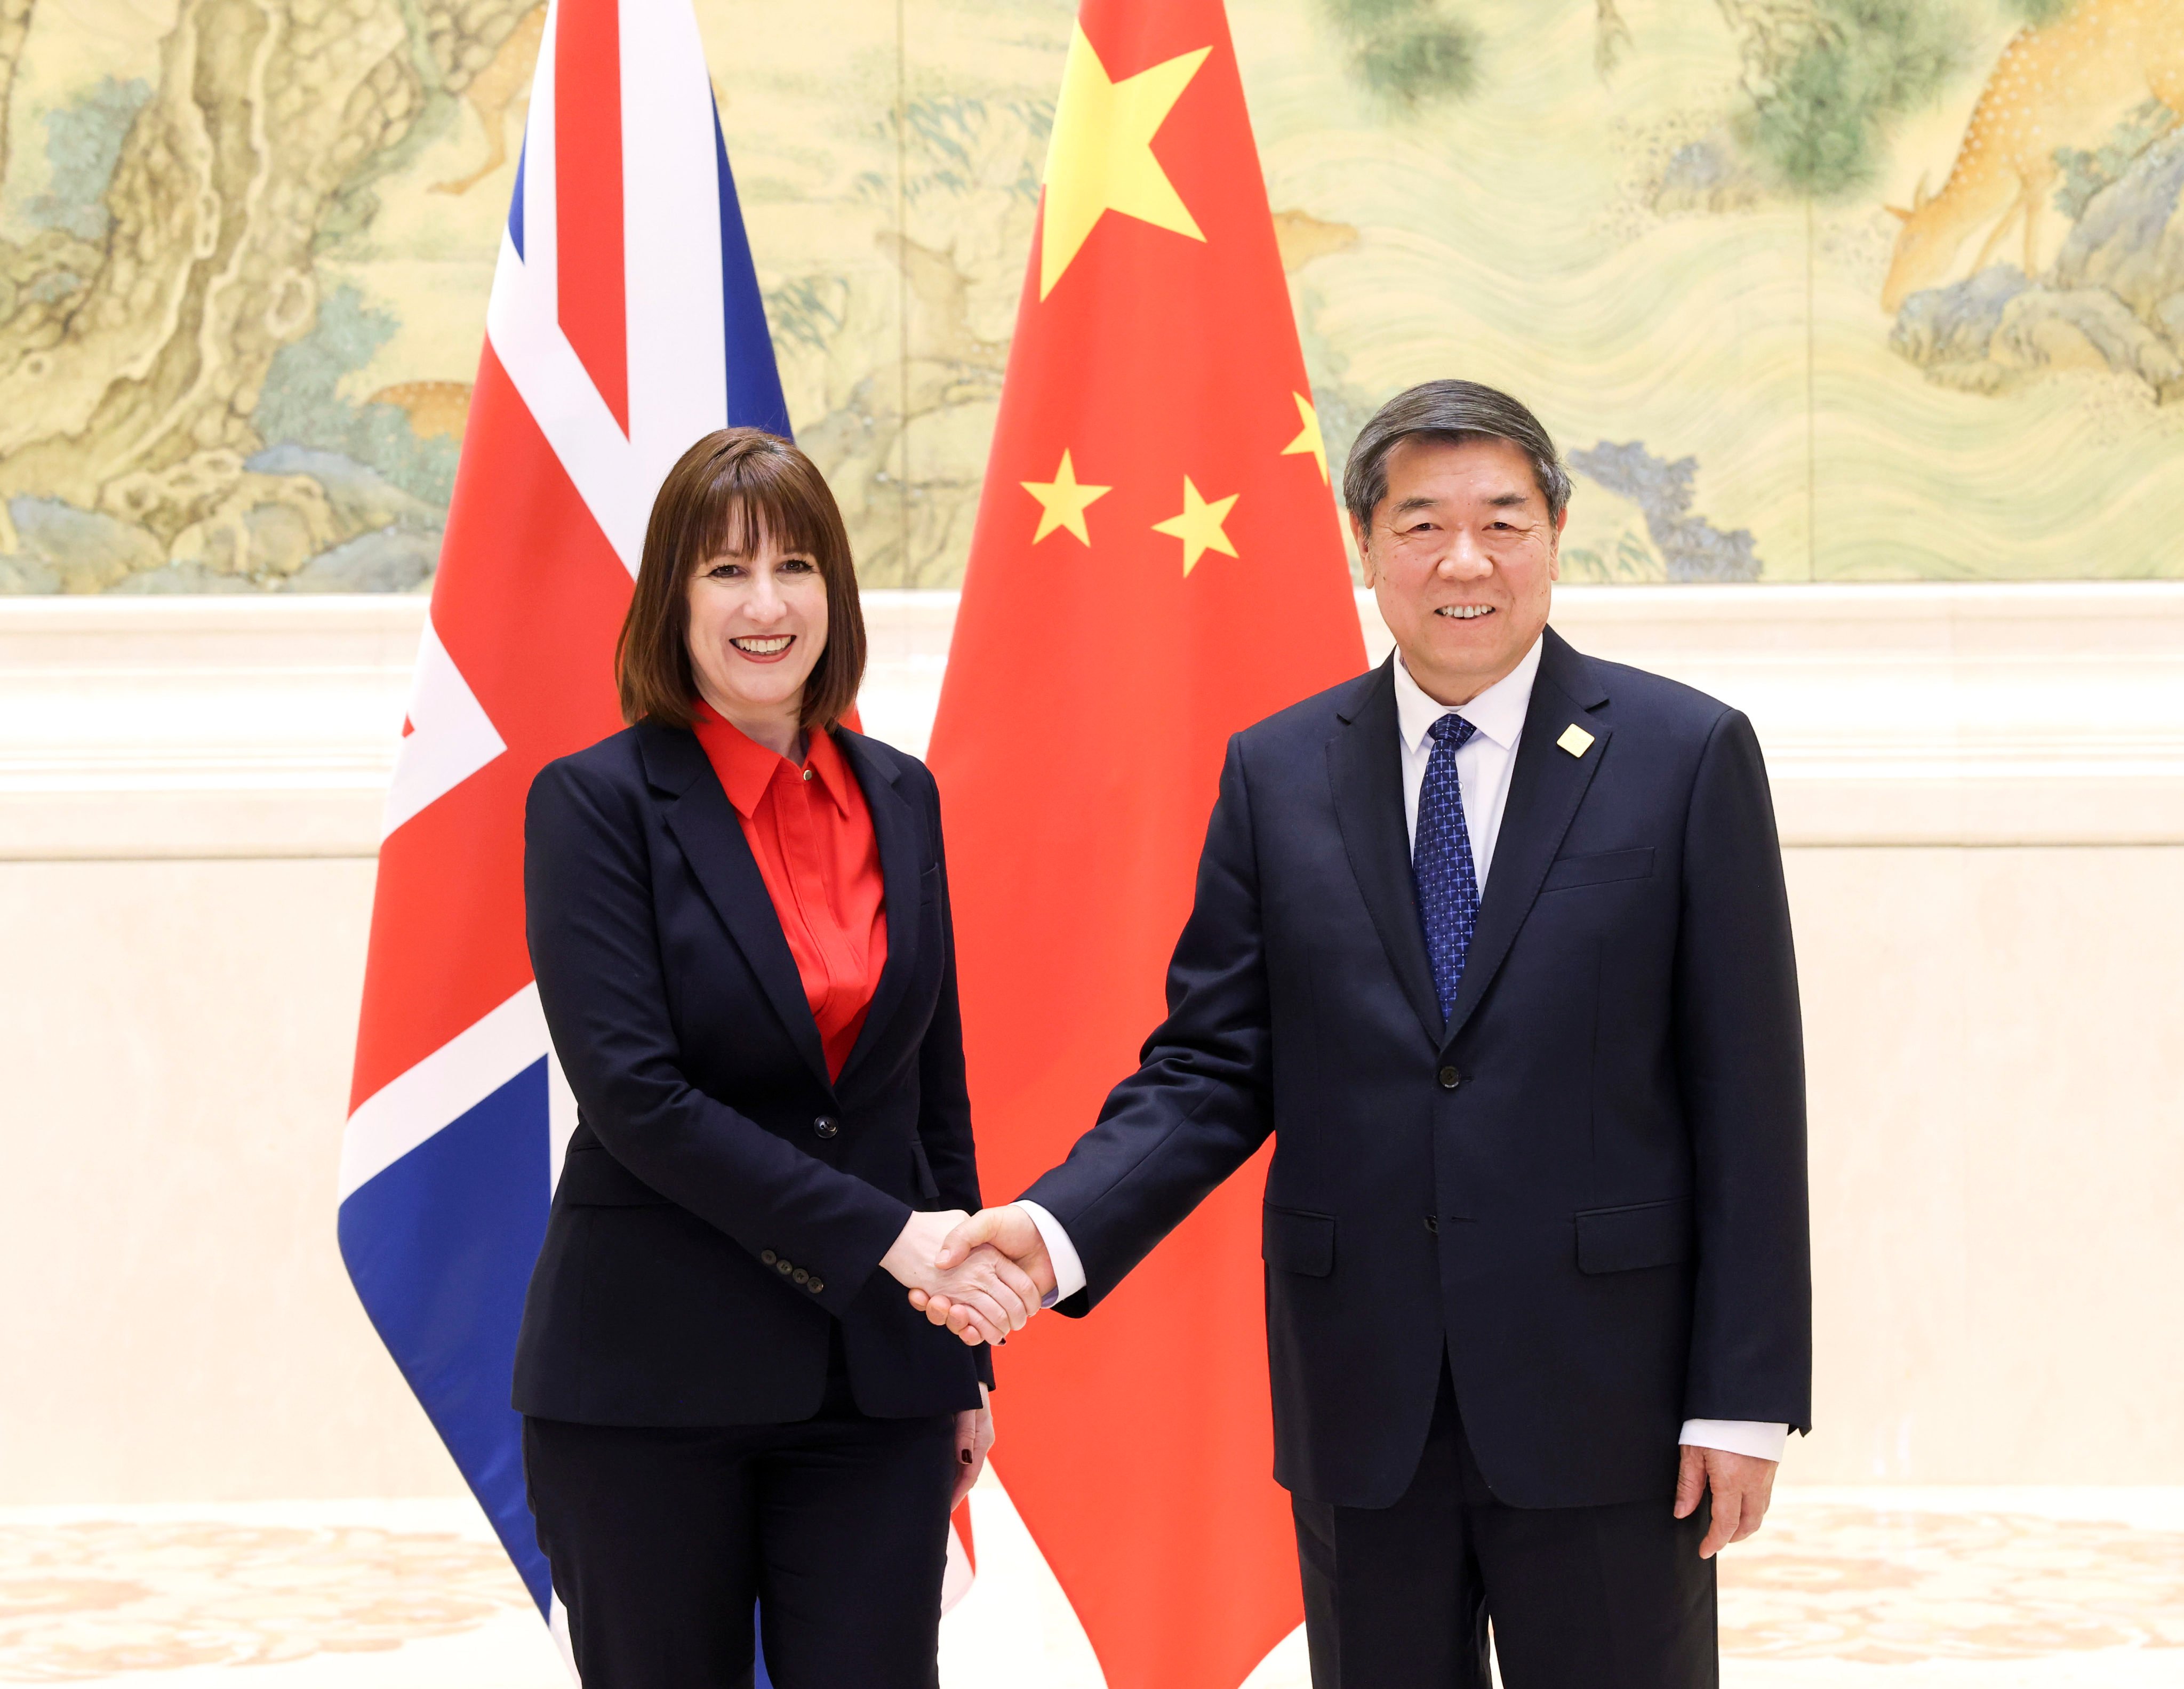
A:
[896,825]
[1365,772]
[1545,790]
[703,822]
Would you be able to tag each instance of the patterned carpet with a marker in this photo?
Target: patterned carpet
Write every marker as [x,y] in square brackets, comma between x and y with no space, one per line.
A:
[1833,1581]
[102,1598]
[1985,1589]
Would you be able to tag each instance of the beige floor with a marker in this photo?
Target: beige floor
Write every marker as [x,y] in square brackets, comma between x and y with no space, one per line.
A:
[2025,1588]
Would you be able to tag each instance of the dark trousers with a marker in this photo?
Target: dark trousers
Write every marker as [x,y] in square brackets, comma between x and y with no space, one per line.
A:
[1399,1598]
[661,1540]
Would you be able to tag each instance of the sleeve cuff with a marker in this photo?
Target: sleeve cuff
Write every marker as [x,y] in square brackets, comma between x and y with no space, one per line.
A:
[1754,1437]
[1060,1255]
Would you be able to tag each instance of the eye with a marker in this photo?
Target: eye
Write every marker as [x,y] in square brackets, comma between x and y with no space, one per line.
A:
[802,566]
[724,572]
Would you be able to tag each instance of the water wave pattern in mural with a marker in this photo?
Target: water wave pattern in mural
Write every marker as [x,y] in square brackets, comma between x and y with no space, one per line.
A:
[1812,289]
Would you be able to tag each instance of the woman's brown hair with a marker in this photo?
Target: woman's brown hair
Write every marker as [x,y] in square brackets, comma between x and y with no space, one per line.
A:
[732,489]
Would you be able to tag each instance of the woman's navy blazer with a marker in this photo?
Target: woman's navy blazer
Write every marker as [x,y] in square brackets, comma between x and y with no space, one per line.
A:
[722,1203]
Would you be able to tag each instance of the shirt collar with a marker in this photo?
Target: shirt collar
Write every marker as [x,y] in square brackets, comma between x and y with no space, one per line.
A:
[824,756]
[1498,712]
[747,768]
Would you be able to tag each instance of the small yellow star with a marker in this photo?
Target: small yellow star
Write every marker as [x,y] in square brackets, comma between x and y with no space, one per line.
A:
[1099,158]
[1063,501]
[1199,526]
[1308,439]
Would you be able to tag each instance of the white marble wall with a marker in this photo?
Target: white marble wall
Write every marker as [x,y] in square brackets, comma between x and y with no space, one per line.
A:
[1982,789]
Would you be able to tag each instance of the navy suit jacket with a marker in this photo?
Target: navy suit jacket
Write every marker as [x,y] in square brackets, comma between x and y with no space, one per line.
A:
[1586,1187]
[722,1203]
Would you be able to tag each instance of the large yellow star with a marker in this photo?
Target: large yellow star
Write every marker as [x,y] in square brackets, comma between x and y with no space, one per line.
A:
[1199,526]
[1308,438]
[1063,501]
[1101,158]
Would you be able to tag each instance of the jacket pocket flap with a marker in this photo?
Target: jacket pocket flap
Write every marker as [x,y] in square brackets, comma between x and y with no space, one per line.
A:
[1298,1242]
[593,1179]
[1600,868]
[1644,1235]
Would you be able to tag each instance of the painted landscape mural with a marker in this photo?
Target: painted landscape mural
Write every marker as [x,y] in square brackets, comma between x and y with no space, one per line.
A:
[1848,290]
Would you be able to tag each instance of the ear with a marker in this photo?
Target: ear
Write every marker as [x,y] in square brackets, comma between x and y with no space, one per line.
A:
[1360,533]
[1921,194]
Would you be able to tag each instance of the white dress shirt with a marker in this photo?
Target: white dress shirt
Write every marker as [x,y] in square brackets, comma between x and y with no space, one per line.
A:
[1484,764]
[1484,761]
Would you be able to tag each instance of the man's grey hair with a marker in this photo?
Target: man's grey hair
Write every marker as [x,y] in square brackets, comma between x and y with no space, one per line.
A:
[1455,412]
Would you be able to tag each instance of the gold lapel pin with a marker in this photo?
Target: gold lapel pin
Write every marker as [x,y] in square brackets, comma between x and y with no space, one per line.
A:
[1575,740]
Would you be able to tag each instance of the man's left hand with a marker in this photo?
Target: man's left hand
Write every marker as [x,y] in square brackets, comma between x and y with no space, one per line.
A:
[1742,1485]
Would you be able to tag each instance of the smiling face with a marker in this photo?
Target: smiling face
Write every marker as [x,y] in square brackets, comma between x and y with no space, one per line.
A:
[1462,556]
[758,623]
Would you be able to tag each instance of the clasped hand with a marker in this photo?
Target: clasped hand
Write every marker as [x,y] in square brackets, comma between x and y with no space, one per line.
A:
[1003,1241]
[979,1292]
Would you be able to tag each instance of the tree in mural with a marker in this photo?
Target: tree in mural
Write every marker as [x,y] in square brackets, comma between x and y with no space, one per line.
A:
[131,362]
[1819,78]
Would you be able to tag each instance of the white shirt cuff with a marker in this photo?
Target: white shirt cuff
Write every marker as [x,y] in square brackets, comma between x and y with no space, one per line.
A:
[1754,1437]
[1061,1254]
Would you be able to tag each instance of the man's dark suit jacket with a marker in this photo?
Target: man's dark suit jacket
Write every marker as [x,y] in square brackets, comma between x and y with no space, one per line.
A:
[1587,1187]
[722,1203]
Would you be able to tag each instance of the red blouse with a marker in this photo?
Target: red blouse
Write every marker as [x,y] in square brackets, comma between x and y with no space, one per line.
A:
[812,835]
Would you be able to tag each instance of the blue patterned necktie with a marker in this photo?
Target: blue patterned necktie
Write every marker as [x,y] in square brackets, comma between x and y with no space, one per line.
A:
[1440,862]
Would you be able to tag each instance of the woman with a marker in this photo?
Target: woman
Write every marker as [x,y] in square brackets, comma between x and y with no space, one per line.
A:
[738,918]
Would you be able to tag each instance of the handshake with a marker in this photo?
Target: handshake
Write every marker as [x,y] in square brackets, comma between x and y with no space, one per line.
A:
[981,1275]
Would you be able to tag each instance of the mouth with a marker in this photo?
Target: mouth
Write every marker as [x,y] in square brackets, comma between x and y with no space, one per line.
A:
[1465,612]
[769,648]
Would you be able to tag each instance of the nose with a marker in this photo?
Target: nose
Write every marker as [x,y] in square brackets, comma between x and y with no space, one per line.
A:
[765,604]
[1466,560]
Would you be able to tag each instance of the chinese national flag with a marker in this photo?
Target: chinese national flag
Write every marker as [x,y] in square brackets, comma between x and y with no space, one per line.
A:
[1156,565]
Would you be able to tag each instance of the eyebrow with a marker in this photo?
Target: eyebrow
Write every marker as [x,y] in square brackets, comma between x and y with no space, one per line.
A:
[792,553]
[1500,501]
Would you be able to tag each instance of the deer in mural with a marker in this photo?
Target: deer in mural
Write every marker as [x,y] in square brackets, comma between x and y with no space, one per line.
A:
[2063,84]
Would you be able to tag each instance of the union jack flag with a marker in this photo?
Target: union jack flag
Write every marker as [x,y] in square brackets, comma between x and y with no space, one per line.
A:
[625,323]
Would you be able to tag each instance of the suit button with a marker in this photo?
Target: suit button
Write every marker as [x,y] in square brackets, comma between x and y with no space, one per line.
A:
[1432,1223]
[815,1286]
[768,1257]
[1450,1078]
[783,1268]
[826,1125]
[801,1276]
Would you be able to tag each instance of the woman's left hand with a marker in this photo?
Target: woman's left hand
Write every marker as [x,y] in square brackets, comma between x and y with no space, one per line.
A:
[974,1436]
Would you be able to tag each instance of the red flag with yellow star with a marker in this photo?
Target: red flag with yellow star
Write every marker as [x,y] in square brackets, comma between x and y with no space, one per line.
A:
[1156,565]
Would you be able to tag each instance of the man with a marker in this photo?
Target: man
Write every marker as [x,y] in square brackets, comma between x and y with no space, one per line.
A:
[1493,941]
